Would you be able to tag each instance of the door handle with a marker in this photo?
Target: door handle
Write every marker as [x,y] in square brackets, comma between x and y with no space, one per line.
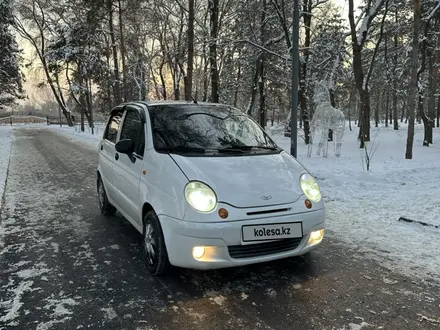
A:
[102,147]
[116,156]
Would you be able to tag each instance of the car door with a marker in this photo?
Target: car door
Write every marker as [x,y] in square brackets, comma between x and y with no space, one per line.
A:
[128,168]
[107,151]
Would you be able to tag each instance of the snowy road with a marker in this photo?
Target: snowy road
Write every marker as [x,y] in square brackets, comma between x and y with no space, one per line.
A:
[63,266]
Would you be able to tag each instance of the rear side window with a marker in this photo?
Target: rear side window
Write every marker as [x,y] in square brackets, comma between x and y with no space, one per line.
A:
[113,126]
[134,130]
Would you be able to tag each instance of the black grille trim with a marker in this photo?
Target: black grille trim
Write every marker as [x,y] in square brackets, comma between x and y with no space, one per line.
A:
[262,249]
[268,211]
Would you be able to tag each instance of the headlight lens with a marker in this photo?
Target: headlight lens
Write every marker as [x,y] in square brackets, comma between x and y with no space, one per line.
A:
[200,196]
[310,187]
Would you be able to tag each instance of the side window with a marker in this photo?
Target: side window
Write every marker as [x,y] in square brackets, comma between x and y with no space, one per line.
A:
[134,130]
[113,126]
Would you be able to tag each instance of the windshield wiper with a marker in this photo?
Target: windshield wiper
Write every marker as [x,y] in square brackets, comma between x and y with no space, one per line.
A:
[231,150]
[182,149]
[234,147]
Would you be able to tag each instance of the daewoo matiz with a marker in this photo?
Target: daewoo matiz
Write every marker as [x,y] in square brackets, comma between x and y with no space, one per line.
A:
[206,186]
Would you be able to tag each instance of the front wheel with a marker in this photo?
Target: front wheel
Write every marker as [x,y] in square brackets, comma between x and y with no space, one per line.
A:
[104,205]
[153,244]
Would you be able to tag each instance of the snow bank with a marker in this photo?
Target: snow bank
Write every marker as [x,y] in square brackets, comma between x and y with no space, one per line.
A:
[363,208]
[6,137]
[75,135]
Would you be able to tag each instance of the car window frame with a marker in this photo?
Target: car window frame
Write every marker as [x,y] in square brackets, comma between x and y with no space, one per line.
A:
[134,108]
[114,110]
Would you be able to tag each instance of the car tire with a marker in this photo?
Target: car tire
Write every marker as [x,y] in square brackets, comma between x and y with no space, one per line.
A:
[104,205]
[153,245]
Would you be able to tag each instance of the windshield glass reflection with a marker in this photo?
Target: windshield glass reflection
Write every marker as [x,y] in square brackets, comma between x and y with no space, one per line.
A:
[206,127]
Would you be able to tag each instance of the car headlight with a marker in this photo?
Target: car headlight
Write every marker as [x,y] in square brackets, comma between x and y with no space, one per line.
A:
[310,187]
[200,196]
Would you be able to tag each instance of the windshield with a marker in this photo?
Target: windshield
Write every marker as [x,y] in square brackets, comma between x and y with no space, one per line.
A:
[205,127]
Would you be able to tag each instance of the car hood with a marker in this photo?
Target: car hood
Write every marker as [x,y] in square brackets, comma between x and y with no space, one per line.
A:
[247,181]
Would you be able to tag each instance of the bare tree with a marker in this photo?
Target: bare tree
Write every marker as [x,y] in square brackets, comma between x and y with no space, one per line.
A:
[413,86]
[190,64]
[33,14]
[214,24]
[359,39]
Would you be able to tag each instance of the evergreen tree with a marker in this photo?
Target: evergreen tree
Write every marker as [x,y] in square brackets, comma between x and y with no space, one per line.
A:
[10,74]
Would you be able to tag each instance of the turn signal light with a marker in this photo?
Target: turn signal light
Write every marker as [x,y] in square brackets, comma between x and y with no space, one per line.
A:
[223,213]
[308,204]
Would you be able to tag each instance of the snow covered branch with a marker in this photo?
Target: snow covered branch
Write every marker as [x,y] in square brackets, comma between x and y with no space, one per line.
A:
[370,14]
[431,14]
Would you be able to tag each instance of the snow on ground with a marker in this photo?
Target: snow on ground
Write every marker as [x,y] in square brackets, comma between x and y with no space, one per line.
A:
[363,207]
[75,134]
[6,137]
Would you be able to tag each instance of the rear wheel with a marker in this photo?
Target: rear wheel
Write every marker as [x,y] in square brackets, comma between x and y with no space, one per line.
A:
[156,256]
[104,205]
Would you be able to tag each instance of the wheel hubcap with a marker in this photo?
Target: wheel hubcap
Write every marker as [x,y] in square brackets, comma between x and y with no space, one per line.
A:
[150,244]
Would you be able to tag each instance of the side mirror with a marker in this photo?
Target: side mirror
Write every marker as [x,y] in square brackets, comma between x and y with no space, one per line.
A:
[125,146]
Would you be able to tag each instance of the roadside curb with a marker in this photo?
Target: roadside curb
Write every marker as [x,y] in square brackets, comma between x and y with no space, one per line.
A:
[2,197]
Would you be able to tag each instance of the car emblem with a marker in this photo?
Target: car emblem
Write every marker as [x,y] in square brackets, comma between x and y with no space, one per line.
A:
[266,197]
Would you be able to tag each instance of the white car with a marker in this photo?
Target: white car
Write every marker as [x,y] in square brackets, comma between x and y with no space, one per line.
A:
[206,186]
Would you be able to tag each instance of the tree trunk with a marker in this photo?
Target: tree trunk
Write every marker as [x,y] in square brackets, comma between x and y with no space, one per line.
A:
[438,112]
[402,115]
[349,118]
[237,84]
[364,131]
[89,98]
[162,79]
[396,44]
[254,88]
[116,86]
[390,112]
[307,17]
[205,75]
[205,59]
[176,80]
[432,85]
[123,53]
[81,109]
[395,116]
[413,85]
[262,94]
[333,104]
[214,12]
[437,76]
[145,88]
[376,112]
[190,64]
[361,85]
[425,120]
[261,73]
[108,89]
[387,106]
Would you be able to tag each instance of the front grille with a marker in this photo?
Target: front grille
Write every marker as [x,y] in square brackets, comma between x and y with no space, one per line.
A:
[268,211]
[262,249]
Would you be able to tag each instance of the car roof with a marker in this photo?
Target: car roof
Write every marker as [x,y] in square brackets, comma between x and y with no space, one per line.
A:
[172,102]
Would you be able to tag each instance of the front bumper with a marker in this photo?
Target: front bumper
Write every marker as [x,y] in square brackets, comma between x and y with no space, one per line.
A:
[182,236]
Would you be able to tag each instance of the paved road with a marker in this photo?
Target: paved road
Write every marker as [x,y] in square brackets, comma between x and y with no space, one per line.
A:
[63,266]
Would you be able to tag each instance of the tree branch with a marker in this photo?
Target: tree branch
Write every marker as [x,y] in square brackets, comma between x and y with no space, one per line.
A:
[370,70]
